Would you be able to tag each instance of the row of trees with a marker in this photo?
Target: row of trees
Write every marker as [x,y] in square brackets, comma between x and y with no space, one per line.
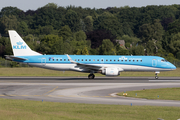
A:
[150,30]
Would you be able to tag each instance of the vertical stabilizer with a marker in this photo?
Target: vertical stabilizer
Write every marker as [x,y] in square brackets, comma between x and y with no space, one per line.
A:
[19,47]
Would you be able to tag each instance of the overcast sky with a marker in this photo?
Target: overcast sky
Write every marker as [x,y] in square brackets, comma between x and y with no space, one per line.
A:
[34,4]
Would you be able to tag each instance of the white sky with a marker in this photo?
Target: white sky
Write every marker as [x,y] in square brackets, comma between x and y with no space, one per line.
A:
[34,4]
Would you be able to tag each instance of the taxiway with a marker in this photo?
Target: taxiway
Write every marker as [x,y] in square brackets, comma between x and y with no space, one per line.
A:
[83,90]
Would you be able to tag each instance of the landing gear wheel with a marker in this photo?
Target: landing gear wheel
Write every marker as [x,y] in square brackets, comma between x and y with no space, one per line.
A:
[91,76]
[156,77]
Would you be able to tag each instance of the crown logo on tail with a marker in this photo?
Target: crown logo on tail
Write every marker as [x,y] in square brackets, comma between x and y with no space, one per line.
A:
[19,43]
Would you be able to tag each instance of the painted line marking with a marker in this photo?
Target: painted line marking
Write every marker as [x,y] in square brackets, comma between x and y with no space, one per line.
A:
[164,80]
[24,95]
[113,94]
[51,90]
[51,96]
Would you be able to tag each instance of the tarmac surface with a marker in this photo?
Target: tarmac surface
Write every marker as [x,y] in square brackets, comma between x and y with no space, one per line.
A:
[100,90]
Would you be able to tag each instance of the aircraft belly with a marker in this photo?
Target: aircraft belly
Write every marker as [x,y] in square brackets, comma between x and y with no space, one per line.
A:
[74,67]
[53,66]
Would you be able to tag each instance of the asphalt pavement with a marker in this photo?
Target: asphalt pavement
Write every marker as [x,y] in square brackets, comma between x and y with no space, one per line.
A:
[100,90]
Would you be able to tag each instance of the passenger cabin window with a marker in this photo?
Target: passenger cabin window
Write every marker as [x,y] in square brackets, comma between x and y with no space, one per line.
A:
[64,59]
[89,59]
[56,59]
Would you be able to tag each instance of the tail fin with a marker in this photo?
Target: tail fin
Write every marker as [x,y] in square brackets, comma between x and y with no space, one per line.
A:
[19,47]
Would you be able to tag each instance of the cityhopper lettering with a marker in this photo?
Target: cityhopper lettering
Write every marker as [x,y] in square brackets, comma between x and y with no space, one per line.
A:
[19,45]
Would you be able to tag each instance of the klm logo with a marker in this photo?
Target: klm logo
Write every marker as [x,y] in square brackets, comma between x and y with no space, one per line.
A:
[19,45]
[123,58]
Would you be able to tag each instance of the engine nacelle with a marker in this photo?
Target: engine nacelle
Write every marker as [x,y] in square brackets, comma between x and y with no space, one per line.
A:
[111,72]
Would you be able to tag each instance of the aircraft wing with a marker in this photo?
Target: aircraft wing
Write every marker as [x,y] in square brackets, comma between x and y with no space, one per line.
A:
[86,66]
[10,57]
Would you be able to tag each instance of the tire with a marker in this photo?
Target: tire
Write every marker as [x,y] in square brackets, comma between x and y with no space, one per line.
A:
[91,76]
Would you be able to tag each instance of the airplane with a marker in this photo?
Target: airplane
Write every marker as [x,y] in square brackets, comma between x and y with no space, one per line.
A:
[109,65]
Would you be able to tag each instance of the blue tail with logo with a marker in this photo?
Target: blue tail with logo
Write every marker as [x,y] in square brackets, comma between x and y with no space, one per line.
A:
[20,48]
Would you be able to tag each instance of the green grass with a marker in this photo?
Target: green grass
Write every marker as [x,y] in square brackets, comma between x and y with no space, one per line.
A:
[33,71]
[37,110]
[163,93]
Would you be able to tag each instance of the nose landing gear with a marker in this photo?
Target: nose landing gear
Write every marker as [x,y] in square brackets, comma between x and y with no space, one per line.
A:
[156,77]
[156,74]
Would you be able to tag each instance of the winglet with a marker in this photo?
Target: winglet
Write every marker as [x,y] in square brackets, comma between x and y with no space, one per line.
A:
[70,59]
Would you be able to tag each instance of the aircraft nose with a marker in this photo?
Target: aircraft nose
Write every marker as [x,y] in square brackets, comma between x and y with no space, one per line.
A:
[173,67]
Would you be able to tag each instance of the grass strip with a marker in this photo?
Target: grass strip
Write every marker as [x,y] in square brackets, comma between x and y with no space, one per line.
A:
[33,71]
[161,94]
[37,110]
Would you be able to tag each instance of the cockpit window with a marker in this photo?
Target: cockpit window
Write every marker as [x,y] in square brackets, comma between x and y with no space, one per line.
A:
[163,60]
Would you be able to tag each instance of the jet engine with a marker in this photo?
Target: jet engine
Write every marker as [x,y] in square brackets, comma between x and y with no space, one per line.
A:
[111,72]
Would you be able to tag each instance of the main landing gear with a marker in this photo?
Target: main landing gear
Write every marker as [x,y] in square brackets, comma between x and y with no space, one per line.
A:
[91,76]
[156,73]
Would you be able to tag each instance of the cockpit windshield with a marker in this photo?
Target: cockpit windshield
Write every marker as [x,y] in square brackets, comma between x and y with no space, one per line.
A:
[163,60]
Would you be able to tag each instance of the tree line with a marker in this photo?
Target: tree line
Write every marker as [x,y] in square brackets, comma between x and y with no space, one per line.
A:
[52,29]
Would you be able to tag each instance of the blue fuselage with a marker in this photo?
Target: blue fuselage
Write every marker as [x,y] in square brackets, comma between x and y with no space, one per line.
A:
[127,63]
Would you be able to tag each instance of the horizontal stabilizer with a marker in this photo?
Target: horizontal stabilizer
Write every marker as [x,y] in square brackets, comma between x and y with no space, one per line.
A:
[10,57]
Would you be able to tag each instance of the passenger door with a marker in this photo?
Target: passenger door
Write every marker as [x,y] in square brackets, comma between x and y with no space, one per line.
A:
[43,61]
[154,62]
